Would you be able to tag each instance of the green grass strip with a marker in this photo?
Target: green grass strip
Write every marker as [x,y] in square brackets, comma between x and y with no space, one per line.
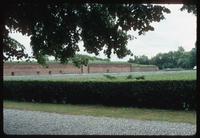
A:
[97,110]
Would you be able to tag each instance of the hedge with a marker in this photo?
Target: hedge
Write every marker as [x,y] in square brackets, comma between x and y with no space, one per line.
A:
[148,94]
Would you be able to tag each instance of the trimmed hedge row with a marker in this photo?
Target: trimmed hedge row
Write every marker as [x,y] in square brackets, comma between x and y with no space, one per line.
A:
[148,94]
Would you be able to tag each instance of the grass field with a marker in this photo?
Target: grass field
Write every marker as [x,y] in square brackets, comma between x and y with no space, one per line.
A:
[97,110]
[151,76]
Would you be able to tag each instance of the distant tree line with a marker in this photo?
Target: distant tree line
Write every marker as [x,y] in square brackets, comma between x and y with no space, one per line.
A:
[172,59]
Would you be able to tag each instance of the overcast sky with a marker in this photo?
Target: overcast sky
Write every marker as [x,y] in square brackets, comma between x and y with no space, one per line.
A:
[178,29]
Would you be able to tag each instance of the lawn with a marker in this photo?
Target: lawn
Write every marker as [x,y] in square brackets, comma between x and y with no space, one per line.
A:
[158,75]
[97,110]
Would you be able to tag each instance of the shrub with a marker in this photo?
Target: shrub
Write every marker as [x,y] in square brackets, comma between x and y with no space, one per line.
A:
[109,77]
[129,77]
[148,94]
[139,78]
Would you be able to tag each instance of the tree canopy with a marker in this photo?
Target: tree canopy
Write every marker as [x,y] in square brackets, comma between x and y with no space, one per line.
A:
[190,8]
[56,28]
[171,59]
[139,60]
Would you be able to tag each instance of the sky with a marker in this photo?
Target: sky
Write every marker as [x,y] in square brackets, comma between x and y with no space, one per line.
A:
[177,29]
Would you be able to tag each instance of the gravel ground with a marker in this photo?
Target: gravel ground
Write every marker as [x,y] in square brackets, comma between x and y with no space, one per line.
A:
[18,122]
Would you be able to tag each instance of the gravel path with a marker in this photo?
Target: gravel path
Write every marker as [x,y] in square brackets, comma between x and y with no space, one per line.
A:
[20,122]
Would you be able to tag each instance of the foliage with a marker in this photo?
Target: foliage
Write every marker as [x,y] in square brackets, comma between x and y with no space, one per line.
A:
[91,58]
[56,28]
[109,77]
[13,49]
[137,77]
[140,78]
[107,62]
[176,59]
[42,59]
[79,60]
[148,94]
[142,65]
[190,8]
[139,60]
[129,77]
[172,59]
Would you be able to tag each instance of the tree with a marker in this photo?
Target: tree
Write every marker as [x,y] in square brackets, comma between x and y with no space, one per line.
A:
[190,8]
[193,59]
[79,60]
[56,28]
[158,60]
[185,61]
[130,60]
[14,49]
[181,50]
[139,60]
[177,55]
[175,59]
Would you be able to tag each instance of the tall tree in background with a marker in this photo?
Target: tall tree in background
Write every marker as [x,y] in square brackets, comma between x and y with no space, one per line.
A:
[56,28]
[139,60]
[175,59]
[193,59]
[191,9]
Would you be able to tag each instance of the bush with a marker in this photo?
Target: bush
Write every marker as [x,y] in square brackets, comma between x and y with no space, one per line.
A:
[148,94]
[129,77]
[109,77]
[140,78]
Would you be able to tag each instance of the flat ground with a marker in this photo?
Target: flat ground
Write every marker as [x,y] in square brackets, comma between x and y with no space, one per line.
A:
[114,112]
[158,75]
[18,122]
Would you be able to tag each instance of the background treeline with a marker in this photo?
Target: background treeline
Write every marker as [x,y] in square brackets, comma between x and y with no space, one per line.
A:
[172,59]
